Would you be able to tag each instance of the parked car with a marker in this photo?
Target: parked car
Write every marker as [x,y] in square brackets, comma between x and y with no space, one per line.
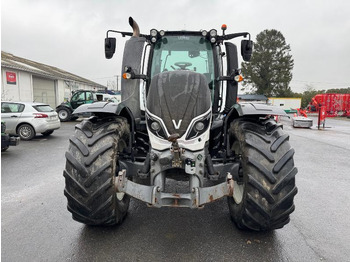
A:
[26,119]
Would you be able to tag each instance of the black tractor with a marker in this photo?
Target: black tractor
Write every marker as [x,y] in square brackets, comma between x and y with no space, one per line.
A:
[187,126]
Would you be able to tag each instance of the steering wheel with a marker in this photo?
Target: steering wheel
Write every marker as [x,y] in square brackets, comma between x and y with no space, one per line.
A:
[183,65]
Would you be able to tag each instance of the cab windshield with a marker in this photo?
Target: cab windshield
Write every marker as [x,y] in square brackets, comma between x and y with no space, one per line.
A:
[184,53]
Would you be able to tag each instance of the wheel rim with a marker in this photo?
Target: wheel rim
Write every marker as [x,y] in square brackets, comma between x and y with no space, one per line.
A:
[238,189]
[62,114]
[120,147]
[25,132]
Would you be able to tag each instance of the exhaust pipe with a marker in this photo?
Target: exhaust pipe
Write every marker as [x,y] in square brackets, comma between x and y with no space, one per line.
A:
[135,27]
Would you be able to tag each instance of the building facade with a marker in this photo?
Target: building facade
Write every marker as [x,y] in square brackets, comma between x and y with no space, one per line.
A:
[25,80]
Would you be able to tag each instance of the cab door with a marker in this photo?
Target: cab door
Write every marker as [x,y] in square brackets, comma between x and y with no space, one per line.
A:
[78,99]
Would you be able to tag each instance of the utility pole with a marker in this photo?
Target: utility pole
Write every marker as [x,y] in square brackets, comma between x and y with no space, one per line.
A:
[117,82]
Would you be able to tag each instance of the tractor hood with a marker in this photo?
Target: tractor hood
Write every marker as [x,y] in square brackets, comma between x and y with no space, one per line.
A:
[175,99]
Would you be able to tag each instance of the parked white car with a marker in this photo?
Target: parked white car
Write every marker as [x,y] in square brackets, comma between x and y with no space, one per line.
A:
[26,119]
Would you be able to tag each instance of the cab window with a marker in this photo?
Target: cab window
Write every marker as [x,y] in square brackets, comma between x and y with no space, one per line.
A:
[89,96]
[184,52]
[78,96]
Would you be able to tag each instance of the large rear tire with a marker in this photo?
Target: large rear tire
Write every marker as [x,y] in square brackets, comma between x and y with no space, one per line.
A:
[91,169]
[264,199]
[64,114]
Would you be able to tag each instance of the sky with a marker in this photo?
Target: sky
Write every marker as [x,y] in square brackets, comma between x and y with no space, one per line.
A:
[70,34]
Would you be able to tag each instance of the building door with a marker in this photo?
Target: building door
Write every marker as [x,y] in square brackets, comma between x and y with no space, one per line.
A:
[44,91]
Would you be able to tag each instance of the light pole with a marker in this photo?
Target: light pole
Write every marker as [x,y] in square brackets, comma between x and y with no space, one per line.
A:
[117,76]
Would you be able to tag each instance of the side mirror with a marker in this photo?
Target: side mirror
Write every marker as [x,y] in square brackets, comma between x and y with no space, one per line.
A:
[110,44]
[246,49]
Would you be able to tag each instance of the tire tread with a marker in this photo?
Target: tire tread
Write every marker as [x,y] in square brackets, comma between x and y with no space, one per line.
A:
[90,171]
[268,166]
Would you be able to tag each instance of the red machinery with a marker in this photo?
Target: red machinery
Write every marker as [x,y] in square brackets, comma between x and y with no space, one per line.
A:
[301,112]
[335,104]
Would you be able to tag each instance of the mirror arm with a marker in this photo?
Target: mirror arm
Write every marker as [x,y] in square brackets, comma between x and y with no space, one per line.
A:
[225,78]
[231,36]
[120,32]
[231,77]
[126,33]
[130,71]
[143,77]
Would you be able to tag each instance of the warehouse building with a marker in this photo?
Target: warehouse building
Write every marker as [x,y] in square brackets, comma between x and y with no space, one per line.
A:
[26,80]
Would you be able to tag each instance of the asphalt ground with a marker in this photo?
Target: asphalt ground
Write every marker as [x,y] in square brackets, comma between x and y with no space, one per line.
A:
[36,226]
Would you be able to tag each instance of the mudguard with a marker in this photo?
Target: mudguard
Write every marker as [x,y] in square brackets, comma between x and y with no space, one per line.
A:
[107,108]
[256,109]
[100,107]
[248,109]
[65,105]
[111,108]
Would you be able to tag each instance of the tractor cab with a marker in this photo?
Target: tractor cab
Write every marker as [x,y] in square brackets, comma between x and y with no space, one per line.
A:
[146,56]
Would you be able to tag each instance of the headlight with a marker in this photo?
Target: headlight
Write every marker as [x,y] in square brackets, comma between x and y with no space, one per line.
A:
[199,126]
[155,126]
[213,32]
[153,32]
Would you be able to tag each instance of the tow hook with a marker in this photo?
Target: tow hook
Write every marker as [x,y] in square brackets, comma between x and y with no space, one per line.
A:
[175,150]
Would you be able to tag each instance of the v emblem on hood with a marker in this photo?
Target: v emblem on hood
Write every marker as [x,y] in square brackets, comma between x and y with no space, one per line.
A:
[177,126]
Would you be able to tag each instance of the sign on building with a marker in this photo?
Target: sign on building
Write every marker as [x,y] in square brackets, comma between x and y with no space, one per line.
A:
[11,78]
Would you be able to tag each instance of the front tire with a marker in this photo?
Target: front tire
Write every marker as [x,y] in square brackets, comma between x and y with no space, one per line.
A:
[26,132]
[91,171]
[264,198]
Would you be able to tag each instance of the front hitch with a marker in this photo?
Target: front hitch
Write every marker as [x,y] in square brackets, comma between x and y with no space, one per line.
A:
[154,196]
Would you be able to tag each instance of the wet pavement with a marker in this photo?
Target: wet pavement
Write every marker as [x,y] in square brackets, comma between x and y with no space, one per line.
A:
[36,226]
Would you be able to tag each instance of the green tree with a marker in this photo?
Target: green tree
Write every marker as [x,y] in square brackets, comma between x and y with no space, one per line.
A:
[270,70]
[339,90]
[308,94]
